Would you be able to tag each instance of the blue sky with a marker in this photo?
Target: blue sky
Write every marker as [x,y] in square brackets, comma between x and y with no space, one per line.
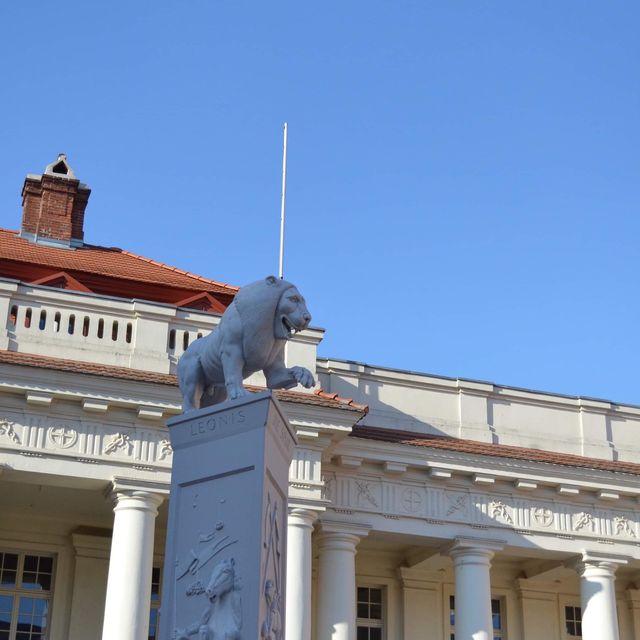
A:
[464,176]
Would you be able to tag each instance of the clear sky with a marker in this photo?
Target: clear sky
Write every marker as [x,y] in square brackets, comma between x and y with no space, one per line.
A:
[464,176]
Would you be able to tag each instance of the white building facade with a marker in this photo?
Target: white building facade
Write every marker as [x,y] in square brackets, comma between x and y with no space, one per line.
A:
[421,507]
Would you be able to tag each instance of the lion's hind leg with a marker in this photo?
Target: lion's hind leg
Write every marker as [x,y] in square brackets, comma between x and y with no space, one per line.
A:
[213,394]
[192,382]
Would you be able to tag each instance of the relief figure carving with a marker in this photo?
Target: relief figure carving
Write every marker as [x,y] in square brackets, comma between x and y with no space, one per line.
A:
[119,441]
[6,429]
[222,617]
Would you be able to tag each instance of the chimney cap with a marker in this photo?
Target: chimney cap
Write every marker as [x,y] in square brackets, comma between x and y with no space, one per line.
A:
[60,168]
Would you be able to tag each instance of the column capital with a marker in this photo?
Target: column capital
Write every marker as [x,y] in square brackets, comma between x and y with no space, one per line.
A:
[473,548]
[344,535]
[137,494]
[594,565]
[303,518]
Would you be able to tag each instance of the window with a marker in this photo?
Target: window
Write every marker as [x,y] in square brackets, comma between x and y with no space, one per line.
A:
[573,621]
[155,603]
[25,596]
[369,612]
[497,618]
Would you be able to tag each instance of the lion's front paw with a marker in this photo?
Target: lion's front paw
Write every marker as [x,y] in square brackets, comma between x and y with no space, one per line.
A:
[236,391]
[303,376]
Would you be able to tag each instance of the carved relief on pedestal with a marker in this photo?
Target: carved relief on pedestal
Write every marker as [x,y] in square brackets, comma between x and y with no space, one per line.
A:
[119,442]
[222,616]
[273,620]
[7,429]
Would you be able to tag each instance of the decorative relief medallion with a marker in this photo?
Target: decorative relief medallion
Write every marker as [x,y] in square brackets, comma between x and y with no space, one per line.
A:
[164,449]
[623,526]
[542,516]
[364,493]
[6,429]
[499,510]
[411,500]
[62,436]
[457,503]
[584,520]
[120,441]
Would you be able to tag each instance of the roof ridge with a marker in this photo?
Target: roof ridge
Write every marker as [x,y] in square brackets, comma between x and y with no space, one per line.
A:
[169,267]
[476,447]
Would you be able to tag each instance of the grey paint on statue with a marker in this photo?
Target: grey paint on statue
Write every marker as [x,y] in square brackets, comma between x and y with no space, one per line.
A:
[251,337]
[224,575]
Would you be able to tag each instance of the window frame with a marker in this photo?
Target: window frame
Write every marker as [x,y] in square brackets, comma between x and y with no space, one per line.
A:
[373,623]
[563,602]
[18,592]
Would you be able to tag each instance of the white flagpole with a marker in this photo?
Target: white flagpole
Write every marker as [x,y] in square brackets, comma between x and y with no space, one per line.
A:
[284,191]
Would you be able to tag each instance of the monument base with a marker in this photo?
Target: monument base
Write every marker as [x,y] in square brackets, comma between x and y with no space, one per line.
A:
[225,558]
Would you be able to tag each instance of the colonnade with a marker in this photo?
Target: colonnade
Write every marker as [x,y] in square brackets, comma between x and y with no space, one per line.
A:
[131,562]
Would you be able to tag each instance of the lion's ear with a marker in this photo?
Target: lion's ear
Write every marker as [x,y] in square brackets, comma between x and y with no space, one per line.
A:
[271,280]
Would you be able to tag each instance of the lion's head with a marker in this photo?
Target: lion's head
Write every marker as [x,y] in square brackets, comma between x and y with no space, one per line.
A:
[291,314]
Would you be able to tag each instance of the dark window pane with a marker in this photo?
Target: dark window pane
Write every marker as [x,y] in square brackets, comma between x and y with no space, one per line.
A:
[363,610]
[363,594]
[452,602]
[568,613]
[375,595]
[375,612]
[46,565]
[4,635]
[8,578]
[571,628]
[10,560]
[578,613]
[31,563]
[45,581]
[495,606]
[363,633]
[375,633]
[578,628]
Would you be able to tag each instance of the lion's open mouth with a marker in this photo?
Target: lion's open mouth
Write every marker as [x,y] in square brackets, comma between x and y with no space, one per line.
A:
[289,327]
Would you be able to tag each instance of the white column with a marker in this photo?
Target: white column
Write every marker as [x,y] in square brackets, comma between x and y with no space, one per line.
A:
[598,596]
[126,615]
[298,616]
[337,580]
[471,563]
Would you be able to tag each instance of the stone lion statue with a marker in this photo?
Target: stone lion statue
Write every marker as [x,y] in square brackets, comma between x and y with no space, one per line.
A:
[251,337]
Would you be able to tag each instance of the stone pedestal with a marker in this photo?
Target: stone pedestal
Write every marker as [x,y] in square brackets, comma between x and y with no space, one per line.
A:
[225,559]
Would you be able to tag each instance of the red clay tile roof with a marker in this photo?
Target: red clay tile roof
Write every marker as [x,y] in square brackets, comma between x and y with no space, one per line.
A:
[318,399]
[494,450]
[349,402]
[107,263]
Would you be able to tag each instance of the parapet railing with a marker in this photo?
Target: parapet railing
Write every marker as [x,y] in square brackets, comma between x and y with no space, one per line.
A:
[107,330]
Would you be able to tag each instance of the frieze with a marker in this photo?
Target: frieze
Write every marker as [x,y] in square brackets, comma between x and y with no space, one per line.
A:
[84,440]
[480,510]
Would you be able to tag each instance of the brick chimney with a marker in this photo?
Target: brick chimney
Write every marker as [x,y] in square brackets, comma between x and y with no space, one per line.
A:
[53,206]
